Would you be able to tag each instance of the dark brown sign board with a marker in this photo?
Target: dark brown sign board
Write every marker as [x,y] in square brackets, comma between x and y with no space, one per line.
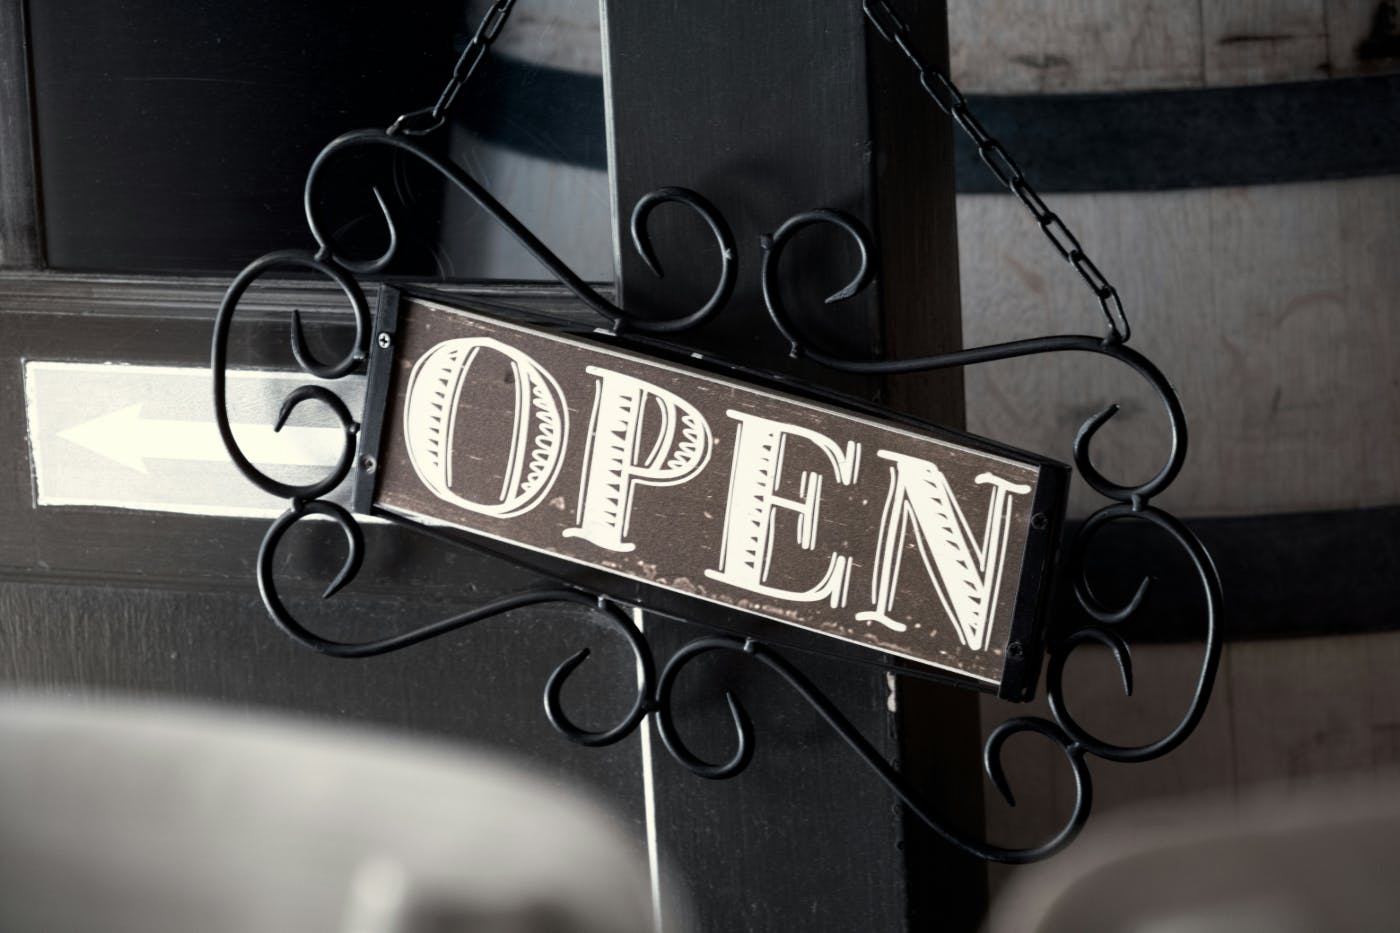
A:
[789,516]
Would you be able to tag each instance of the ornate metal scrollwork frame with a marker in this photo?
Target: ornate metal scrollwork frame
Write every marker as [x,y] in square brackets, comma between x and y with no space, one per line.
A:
[1127,502]
[655,695]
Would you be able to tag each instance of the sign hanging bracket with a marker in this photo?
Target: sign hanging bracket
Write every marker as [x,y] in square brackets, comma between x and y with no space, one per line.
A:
[887,505]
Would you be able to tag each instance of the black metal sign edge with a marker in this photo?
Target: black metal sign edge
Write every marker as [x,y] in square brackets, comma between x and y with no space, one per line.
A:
[1033,599]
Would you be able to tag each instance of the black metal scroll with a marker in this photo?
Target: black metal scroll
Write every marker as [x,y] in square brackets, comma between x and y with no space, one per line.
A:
[1131,502]
[1128,501]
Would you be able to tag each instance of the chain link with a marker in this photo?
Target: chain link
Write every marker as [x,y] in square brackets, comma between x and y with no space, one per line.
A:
[937,85]
[423,122]
[998,160]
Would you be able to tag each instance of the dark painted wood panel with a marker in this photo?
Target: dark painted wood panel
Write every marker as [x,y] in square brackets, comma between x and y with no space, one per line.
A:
[19,196]
[805,837]
[1235,136]
[936,727]
[766,117]
[793,81]
[99,601]
[769,115]
[480,686]
[1288,575]
[181,142]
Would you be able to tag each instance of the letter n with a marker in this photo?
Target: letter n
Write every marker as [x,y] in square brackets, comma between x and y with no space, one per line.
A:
[965,571]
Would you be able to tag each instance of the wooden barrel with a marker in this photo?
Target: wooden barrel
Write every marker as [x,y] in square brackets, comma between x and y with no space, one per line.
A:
[1257,259]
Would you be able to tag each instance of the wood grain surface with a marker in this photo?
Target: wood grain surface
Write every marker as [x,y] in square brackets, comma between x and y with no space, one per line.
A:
[1054,46]
[1269,308]
[1286,715]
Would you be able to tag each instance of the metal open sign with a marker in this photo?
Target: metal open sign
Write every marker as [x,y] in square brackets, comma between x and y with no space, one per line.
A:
[912,542]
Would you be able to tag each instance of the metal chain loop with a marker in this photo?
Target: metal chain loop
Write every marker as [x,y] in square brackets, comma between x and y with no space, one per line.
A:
[422,122]
[949,99]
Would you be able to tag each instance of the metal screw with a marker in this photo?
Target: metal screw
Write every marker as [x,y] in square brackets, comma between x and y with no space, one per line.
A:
[367,464]
[1015,650]
[1039,522]
[385,341]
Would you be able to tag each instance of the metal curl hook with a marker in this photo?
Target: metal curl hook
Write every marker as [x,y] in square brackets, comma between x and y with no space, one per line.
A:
[223,322]
[369,138]
[996,773]
[641,705]
[267,554]
[347,451]
[773,247]
[360,266]
[665,719]
[1059,655]
[641,240]
[1115,643]
[1115,349]
[1084,593]
[848,733]
[272,599]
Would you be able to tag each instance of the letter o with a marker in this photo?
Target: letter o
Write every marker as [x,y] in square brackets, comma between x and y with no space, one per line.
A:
[539,429]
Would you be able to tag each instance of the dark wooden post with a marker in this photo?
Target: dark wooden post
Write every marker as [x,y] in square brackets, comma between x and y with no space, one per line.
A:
[767,110]
[19,209]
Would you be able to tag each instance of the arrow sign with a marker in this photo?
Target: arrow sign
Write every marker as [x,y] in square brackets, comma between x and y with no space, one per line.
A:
[130,439]
[143,437]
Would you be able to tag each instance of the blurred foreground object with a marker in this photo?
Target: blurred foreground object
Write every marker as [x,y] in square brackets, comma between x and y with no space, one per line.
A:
[1322,860]
[160,820]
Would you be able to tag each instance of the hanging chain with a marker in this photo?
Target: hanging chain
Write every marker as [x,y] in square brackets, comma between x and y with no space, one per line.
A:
[422,122]
[952,102]
[935,83]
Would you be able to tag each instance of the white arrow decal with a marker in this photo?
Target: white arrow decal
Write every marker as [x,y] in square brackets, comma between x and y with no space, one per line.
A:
[129,439]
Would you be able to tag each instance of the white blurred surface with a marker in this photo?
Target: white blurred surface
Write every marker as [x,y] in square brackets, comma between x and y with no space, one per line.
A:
[1321,860]
[160,820]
